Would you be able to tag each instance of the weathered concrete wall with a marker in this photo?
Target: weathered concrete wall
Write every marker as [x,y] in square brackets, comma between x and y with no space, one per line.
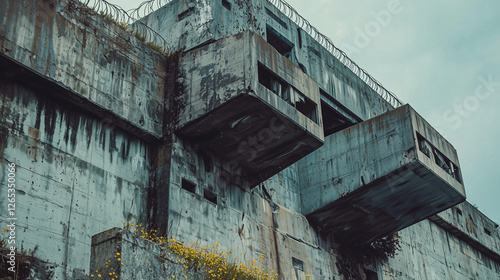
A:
[369,179]
[468,223]
[76,175]
[227,111]
[250,225]
[431,252]
[120,254]
[98,63]
[208,20]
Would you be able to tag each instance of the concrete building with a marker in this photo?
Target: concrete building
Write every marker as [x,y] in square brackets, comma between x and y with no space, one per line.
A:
[253,130]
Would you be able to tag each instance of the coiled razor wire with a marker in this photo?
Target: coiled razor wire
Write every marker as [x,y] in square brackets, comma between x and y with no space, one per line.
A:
[150,6]
[147,7]
[291,13]
[121,17]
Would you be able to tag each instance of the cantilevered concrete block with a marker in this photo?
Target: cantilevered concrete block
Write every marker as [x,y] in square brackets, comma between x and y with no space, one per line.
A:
[244,102]
[380,176]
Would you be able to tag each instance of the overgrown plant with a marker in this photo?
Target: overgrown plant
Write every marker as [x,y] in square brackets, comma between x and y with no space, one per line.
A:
[25,262]
[135,33]
[209,262]
[353,259]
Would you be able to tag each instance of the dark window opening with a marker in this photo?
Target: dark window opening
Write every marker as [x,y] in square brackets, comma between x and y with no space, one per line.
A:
[333,121]
[210,196]
[303,68]
[306,106]
[188,186]
[298,264]
[315,51]
[273,83]
[280,43]
[276,18]
[459,212]
[487,231]
[439,158]
[456,173]
[299,36]
[424,146]
[370,274]
[185,14]
[226,4]
[442,161]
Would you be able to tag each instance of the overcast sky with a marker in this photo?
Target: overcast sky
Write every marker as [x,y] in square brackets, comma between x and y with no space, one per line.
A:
[441,57]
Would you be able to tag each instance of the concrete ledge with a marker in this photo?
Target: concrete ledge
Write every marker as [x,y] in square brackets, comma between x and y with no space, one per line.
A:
[128,256]
[470,225]
[102,65]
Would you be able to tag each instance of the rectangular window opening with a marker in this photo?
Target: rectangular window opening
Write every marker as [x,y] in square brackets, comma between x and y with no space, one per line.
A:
[188,186]
[299,35]
[273,83]
[370,274]
[210,196]
[306,106]
[298,264]
[487,231]
[424,146]
[456,173]
[333,121]
[185,14]
[280,43]
[439,158]
[226,4]
[276,18]
[314,51]
[459,212]
[442,161]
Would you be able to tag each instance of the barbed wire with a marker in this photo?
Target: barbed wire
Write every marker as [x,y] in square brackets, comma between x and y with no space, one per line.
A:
[291,13]
[147,7]
[150,6]
[121,17]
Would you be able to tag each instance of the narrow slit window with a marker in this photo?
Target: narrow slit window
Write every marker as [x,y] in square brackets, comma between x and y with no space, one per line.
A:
[306,106]
[210,196]
[188,186]
[226,4]
[280,43]
[185,14]
[299,36]
[487,231]
[333,121]
[442,161]
[273,83]
[424,146]
[276,18]
[298,264]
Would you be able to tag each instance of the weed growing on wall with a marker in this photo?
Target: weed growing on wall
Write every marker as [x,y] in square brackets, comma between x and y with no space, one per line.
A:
[353,259]
[26,264]
[135,33]
[208,262]
[194,260]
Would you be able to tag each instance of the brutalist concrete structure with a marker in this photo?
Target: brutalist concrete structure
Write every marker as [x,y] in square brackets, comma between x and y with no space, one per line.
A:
[253,131]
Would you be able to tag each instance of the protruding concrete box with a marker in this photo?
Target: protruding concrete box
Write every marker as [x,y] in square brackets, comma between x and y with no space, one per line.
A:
[245,102]
[380,176]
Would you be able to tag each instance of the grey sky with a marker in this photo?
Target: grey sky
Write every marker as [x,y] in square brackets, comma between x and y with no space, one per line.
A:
[442,57]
